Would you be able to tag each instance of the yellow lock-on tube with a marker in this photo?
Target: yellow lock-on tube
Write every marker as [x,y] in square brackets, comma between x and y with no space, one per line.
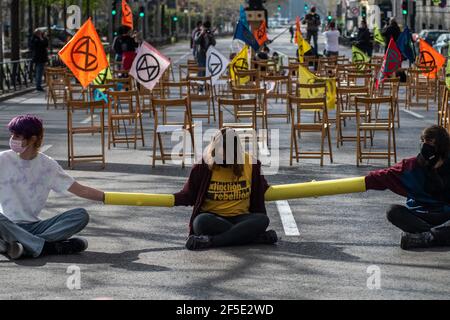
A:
[274,193]
[315,189]
[139,199]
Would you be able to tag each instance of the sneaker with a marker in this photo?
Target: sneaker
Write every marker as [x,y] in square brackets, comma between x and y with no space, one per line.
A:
[416,240]
[267,237]
[40,89]
[198,242]
[14,250]
[71,246]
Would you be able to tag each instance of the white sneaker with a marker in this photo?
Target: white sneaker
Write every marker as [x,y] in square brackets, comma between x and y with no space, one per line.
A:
[15,250]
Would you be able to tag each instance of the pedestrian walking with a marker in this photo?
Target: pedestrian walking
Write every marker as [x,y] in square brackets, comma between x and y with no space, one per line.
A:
[39,50]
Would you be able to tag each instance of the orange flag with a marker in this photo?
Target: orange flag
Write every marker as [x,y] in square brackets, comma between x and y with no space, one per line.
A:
[429,57]
[127,15]
[261,33]
[84,54]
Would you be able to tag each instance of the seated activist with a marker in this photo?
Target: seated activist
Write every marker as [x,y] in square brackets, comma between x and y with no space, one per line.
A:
[425,182]
[227,192]
[26,178]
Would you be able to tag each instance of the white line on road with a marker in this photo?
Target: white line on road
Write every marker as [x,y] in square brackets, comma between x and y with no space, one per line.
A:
[88,119]
[182,57]
[45,148]
[287,219]
[415,115]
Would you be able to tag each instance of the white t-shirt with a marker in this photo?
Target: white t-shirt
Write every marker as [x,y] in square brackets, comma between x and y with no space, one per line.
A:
[332,40]
[26,184]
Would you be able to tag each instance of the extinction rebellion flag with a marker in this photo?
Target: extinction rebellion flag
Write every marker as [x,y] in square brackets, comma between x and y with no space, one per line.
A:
[148,66]
[391,63]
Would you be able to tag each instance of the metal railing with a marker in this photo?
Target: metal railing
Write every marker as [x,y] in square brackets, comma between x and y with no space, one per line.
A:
[16,75]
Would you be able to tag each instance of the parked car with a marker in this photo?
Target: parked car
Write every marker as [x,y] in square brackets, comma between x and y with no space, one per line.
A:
[431,36]
[441,44]
[59,36]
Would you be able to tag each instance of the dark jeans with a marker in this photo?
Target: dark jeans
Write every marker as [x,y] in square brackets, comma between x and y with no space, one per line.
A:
[39,74]
[438,223]
[232,231]
[315,36]
[201,61]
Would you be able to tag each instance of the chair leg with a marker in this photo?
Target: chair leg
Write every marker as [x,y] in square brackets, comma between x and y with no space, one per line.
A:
[154,148]
[329,144]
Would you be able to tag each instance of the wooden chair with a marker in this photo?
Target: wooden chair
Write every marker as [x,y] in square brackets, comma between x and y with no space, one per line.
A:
[390,88]
[163,125]
[73,130]
[248,106]
[121,84]
[174,89]
[443,112]
[200,90]
[346,109]
[261,105]
[277,89]
[418,88]
[371,125]
[251,75]
[124,106]
[56,86]
[299,125]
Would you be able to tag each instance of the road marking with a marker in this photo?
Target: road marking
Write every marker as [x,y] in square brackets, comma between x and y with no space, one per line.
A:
[287,218]
[88,119]
[182,57]
[415,115]
[45,148]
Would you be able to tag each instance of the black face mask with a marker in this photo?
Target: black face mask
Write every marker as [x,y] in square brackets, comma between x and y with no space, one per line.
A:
[428,153]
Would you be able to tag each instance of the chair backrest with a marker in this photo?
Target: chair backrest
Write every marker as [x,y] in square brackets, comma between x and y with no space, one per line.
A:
[346,96]
[368,102]
[316,105]
[310,89]
[167,106]
[391,85]
[239,105]
[125,83]
[178,88]
[119,99]
[281,85]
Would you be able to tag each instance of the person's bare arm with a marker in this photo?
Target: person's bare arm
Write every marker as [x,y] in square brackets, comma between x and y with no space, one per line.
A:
[87,192]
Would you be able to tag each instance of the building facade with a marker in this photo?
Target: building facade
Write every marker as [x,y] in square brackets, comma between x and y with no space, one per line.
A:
[431,15]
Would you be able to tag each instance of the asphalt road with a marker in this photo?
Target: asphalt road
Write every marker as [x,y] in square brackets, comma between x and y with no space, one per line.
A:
[138,253]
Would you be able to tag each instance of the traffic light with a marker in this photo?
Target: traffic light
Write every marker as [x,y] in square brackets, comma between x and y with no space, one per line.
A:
[306,7]
[364,11]
[114,8]
[404,7]
[329,17]
[279,8]
[141,11]
[175,18]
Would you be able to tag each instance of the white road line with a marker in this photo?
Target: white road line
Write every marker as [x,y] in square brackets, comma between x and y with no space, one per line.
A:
[88,119]
[287,219]
[415,115]
[182,57]
[45,148]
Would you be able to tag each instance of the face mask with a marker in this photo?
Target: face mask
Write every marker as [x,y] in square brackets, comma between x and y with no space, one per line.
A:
[16,146]
[428,152]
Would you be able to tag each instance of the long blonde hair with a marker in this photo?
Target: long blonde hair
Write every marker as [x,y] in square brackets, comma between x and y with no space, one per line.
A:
[224,140]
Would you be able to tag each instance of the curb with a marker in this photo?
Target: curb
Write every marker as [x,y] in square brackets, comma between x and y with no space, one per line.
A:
[15,94]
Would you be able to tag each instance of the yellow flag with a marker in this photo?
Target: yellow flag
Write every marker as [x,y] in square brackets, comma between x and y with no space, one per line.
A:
[378,37]
[303,45]
[306,77]
[240,63]
[104,75]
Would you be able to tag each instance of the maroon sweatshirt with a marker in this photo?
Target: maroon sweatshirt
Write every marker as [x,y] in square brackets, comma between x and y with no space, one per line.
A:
[196,187]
